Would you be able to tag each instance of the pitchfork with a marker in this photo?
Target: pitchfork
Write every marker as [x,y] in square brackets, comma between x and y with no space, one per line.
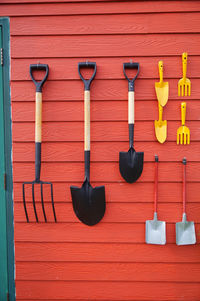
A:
[183,132]
[184,83]
[38,141]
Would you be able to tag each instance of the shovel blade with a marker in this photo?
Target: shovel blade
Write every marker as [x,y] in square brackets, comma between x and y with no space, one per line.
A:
[88,203]
[131,165]
[185,233]
[162,92]
[161,130]
[155,232]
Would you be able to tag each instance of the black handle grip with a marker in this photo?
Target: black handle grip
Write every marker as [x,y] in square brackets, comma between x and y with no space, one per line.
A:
[87,82]
[131,81]
[184,161]
[156,158]
[39,84]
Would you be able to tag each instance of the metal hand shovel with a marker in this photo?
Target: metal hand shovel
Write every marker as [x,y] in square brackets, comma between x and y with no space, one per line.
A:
[131,162]
[88,203]
[155,229]
[185,231]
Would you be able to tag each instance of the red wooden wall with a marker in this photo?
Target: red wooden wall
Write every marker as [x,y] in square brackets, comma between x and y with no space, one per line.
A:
[110,261]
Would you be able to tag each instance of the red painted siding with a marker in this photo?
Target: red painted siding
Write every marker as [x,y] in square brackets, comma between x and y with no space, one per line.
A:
[110,261]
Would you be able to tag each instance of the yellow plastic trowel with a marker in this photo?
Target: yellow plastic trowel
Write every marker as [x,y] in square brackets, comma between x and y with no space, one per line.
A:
[161,126]
[162,88]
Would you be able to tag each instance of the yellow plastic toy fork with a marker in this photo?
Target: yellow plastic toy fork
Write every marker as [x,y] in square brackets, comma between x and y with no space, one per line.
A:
[184,84]
[183,132]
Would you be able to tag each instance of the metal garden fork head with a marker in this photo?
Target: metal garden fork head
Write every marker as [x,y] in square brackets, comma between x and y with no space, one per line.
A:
[184,84]
[38,141]
[183,132]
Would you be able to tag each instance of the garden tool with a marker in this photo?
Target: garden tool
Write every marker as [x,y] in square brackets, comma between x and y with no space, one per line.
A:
[183,132]
[162,88]
[155,229]
[160,126]
[131,162]
[88,202]
[38,142]
[184,83]
[185,231]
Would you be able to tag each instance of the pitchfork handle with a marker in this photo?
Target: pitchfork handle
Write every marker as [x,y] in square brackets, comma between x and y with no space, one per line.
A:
[184,62]
[183,112]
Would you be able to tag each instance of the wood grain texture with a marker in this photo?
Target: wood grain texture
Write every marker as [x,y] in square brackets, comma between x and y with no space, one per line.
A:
[108,24]
[107,67]
[103,90]
[100,131]
[104,252]
[104,45]
[168,192]
[130,233]
[107,290]
[9,8]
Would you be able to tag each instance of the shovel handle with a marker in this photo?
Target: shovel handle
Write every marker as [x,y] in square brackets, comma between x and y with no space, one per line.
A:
[184,63]
[156,183]
[86,120]
[160,67]
[87,82]
[183,112]
[131,81]
[184,184]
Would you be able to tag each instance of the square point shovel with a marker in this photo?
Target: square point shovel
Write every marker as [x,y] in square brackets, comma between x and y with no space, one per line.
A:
[185,231]
[155,229]
[89,203]
[131,162]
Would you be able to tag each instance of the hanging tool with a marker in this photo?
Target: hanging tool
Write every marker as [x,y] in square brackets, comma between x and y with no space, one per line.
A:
[38,143]
[155,229]
[161,87]
[183,132]
[184,84]
[185,231]
[131,162]
[160,126]
[88,202]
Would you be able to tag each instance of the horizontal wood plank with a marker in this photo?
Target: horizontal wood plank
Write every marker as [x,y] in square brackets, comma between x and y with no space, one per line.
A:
[104,151]
[102,252]
[107,67]
[104,90]
[130,233]
[104,111]
[100,132]
[104,172]
[107,24]
[120,192]
[115,212]
[56,271]
[107,290]
[9,8]
[110,45]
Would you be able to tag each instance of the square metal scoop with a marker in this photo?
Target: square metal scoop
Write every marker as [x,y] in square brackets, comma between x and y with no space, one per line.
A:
[155,229]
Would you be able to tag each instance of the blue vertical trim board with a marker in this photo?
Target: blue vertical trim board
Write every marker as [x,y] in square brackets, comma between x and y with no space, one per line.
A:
[5,27]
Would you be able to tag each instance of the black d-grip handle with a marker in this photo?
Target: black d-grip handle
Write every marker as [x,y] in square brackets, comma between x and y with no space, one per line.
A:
[39,84]
[131,81]
[87,82]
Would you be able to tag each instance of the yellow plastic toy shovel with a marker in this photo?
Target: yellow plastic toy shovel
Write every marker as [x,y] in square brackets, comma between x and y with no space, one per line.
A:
[161,126]
[162,88]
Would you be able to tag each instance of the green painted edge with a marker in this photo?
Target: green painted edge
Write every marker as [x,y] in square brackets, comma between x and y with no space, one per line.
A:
[4,22]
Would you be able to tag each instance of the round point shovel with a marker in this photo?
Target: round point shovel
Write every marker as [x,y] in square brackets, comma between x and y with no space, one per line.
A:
[88,203]
[185,231]
[131,162]
[155,229]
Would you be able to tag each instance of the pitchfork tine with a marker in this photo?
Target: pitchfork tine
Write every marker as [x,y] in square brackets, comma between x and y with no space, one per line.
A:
[24,202]
[42,200]
[34,207]
[52,201]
